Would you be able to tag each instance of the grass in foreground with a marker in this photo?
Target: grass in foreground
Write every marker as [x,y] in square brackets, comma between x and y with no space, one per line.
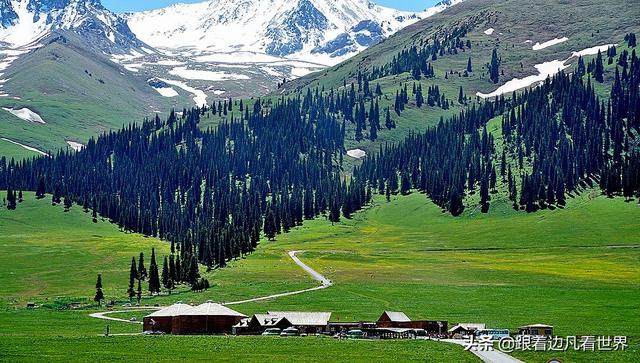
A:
[575,268]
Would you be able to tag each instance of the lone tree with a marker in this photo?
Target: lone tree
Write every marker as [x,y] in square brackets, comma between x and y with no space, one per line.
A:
[469,68]
[133,275]
[494,67]
[99,294]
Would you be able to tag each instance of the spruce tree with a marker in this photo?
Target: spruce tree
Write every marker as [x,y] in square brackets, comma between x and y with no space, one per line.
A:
[270,224]
[99,295]
[165,273]
[142,271]
[154,278]
[469,69]
[494,67]
[598,72]
[133,275]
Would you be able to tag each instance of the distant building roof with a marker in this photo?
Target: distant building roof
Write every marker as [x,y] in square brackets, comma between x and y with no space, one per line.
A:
[301,318]
[468,326]
[268,320]
[173,310]
[211,308]
[536,326]
[397,316]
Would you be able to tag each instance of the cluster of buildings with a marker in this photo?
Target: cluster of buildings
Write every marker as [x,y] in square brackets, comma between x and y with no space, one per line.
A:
[213,318]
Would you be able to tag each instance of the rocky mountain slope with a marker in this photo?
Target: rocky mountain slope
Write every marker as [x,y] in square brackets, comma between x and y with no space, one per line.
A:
[315,30]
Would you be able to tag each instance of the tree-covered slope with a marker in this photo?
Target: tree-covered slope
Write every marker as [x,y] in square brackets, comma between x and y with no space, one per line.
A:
[517,25]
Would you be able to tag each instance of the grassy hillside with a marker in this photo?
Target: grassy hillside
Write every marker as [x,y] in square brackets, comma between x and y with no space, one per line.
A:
[79,93]
[505,269]
[517,25]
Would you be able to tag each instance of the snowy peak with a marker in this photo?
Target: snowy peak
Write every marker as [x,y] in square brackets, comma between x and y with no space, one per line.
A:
[325,31]
[25,21]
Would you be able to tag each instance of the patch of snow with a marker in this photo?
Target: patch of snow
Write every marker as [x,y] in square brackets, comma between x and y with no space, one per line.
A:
[25,146]
[299,72]
[271,71]
[592,50]
[549,43]
[200,98]
[489,31]
[75,145]
[133,67]
[195,74]
[219,92]
[544,70]
[25,114]
[356,153]
[528,41]
[169,62]
[166,91]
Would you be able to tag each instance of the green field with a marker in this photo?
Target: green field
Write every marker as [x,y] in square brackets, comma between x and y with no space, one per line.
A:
[505,269]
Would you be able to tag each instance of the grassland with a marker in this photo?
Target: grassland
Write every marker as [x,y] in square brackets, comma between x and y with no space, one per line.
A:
[575,268]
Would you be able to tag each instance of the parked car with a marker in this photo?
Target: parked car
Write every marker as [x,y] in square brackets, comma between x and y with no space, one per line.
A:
[355,334]
[290,332]
[272,332]
[420,333]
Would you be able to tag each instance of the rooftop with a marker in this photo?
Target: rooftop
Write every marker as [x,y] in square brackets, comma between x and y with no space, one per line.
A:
[211,308]
[303,318]
[173,310]
[397,316]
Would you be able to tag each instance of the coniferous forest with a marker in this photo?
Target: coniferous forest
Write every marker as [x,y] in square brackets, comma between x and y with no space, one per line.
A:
[214,193]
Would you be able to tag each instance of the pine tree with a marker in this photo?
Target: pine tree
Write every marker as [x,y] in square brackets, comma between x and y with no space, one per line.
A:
[494,67]
[40,191]
[133,275]
[270,224]
[598,72]
[11,199]
[469,69]
[388,123]
[165,273]
[142,271]
[154,278]
[99,295]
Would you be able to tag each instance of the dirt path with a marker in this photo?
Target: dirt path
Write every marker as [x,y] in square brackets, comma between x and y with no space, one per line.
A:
[490,356]
[324,283]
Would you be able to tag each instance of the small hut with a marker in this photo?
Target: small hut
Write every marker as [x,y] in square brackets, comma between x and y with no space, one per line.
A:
[162,320]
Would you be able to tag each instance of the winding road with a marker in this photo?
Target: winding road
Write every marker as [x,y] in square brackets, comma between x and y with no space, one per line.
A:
[324,283]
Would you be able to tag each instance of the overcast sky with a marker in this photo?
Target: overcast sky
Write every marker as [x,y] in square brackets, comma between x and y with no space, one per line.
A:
[137,5]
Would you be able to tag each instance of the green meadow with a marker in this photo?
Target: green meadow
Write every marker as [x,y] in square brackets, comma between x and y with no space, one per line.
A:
[576,268]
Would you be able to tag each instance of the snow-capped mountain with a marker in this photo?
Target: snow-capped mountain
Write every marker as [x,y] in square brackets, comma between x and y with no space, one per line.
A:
[24,21]
[322,31]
